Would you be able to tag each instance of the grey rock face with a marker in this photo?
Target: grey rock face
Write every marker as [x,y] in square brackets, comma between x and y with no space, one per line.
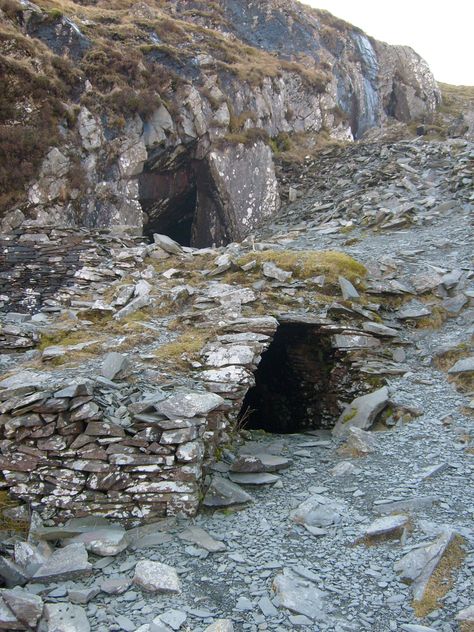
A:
[246,193]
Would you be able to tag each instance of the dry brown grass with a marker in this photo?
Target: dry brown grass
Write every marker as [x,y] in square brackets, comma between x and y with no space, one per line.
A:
[305,264]
[447,359]
[186,347]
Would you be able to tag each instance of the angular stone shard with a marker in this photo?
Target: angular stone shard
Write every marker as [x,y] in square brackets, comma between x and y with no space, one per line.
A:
[388,527]
[258,478]
[189,404]
[156,577]
[64,617]
[465,365]
[259,463]
[222,493]
[11,573]
[8,621]
[201,538]
[362,412]
[26,606]
[348,290]
[66,563]
[272,271]
[221,625]
[167,244]
[115,365]
[358,443]
[466,619]
[299,595]
[417,566]
[104,542]
[319,511]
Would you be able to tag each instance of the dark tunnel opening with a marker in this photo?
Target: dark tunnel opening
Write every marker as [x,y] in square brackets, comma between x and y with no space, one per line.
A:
[176,220]
[297,383]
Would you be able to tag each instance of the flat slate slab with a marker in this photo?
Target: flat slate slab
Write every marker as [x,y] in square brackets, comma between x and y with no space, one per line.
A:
[201,538]
[299,595]
[257,478]
[223,493]
[66,563]
[259,463]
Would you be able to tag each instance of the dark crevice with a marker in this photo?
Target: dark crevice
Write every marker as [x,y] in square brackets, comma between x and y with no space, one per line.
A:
[181,200]
[297,383]
[176,219]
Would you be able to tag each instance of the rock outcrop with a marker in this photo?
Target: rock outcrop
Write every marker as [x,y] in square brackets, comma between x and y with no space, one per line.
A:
[165,128]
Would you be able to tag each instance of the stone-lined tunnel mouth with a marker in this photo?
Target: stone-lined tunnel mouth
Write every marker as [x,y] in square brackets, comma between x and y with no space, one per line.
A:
[299,383]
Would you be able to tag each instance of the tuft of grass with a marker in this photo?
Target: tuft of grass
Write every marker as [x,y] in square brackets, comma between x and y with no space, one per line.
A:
[441,580]
[435,320]
[65,338]
[185,347]
[447,359]
[305,264]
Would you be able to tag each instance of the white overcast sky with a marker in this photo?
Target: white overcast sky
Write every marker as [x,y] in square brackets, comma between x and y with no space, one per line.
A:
[441,32]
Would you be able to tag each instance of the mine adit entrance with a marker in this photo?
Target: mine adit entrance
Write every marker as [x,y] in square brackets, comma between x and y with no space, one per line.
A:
[299,382]
[179,198]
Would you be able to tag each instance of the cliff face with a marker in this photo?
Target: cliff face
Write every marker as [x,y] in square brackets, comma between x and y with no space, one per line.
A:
[161,116]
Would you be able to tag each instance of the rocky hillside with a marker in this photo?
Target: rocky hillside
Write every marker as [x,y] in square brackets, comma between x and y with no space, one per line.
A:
[163,116]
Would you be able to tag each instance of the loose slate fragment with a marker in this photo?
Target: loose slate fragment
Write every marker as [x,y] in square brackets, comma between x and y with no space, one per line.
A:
[221,625]
[259,463]
[223,493]
[64,617]
[362,412]
[198,536]
[105,542]
[388,527]
[26,606]
[66,563]
[319,511]
[257,478]
[299,595]
[156,577]
[418,566]
[115,365]
[189,404]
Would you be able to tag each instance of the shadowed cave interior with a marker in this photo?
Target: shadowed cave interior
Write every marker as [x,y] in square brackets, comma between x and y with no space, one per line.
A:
[298,383]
